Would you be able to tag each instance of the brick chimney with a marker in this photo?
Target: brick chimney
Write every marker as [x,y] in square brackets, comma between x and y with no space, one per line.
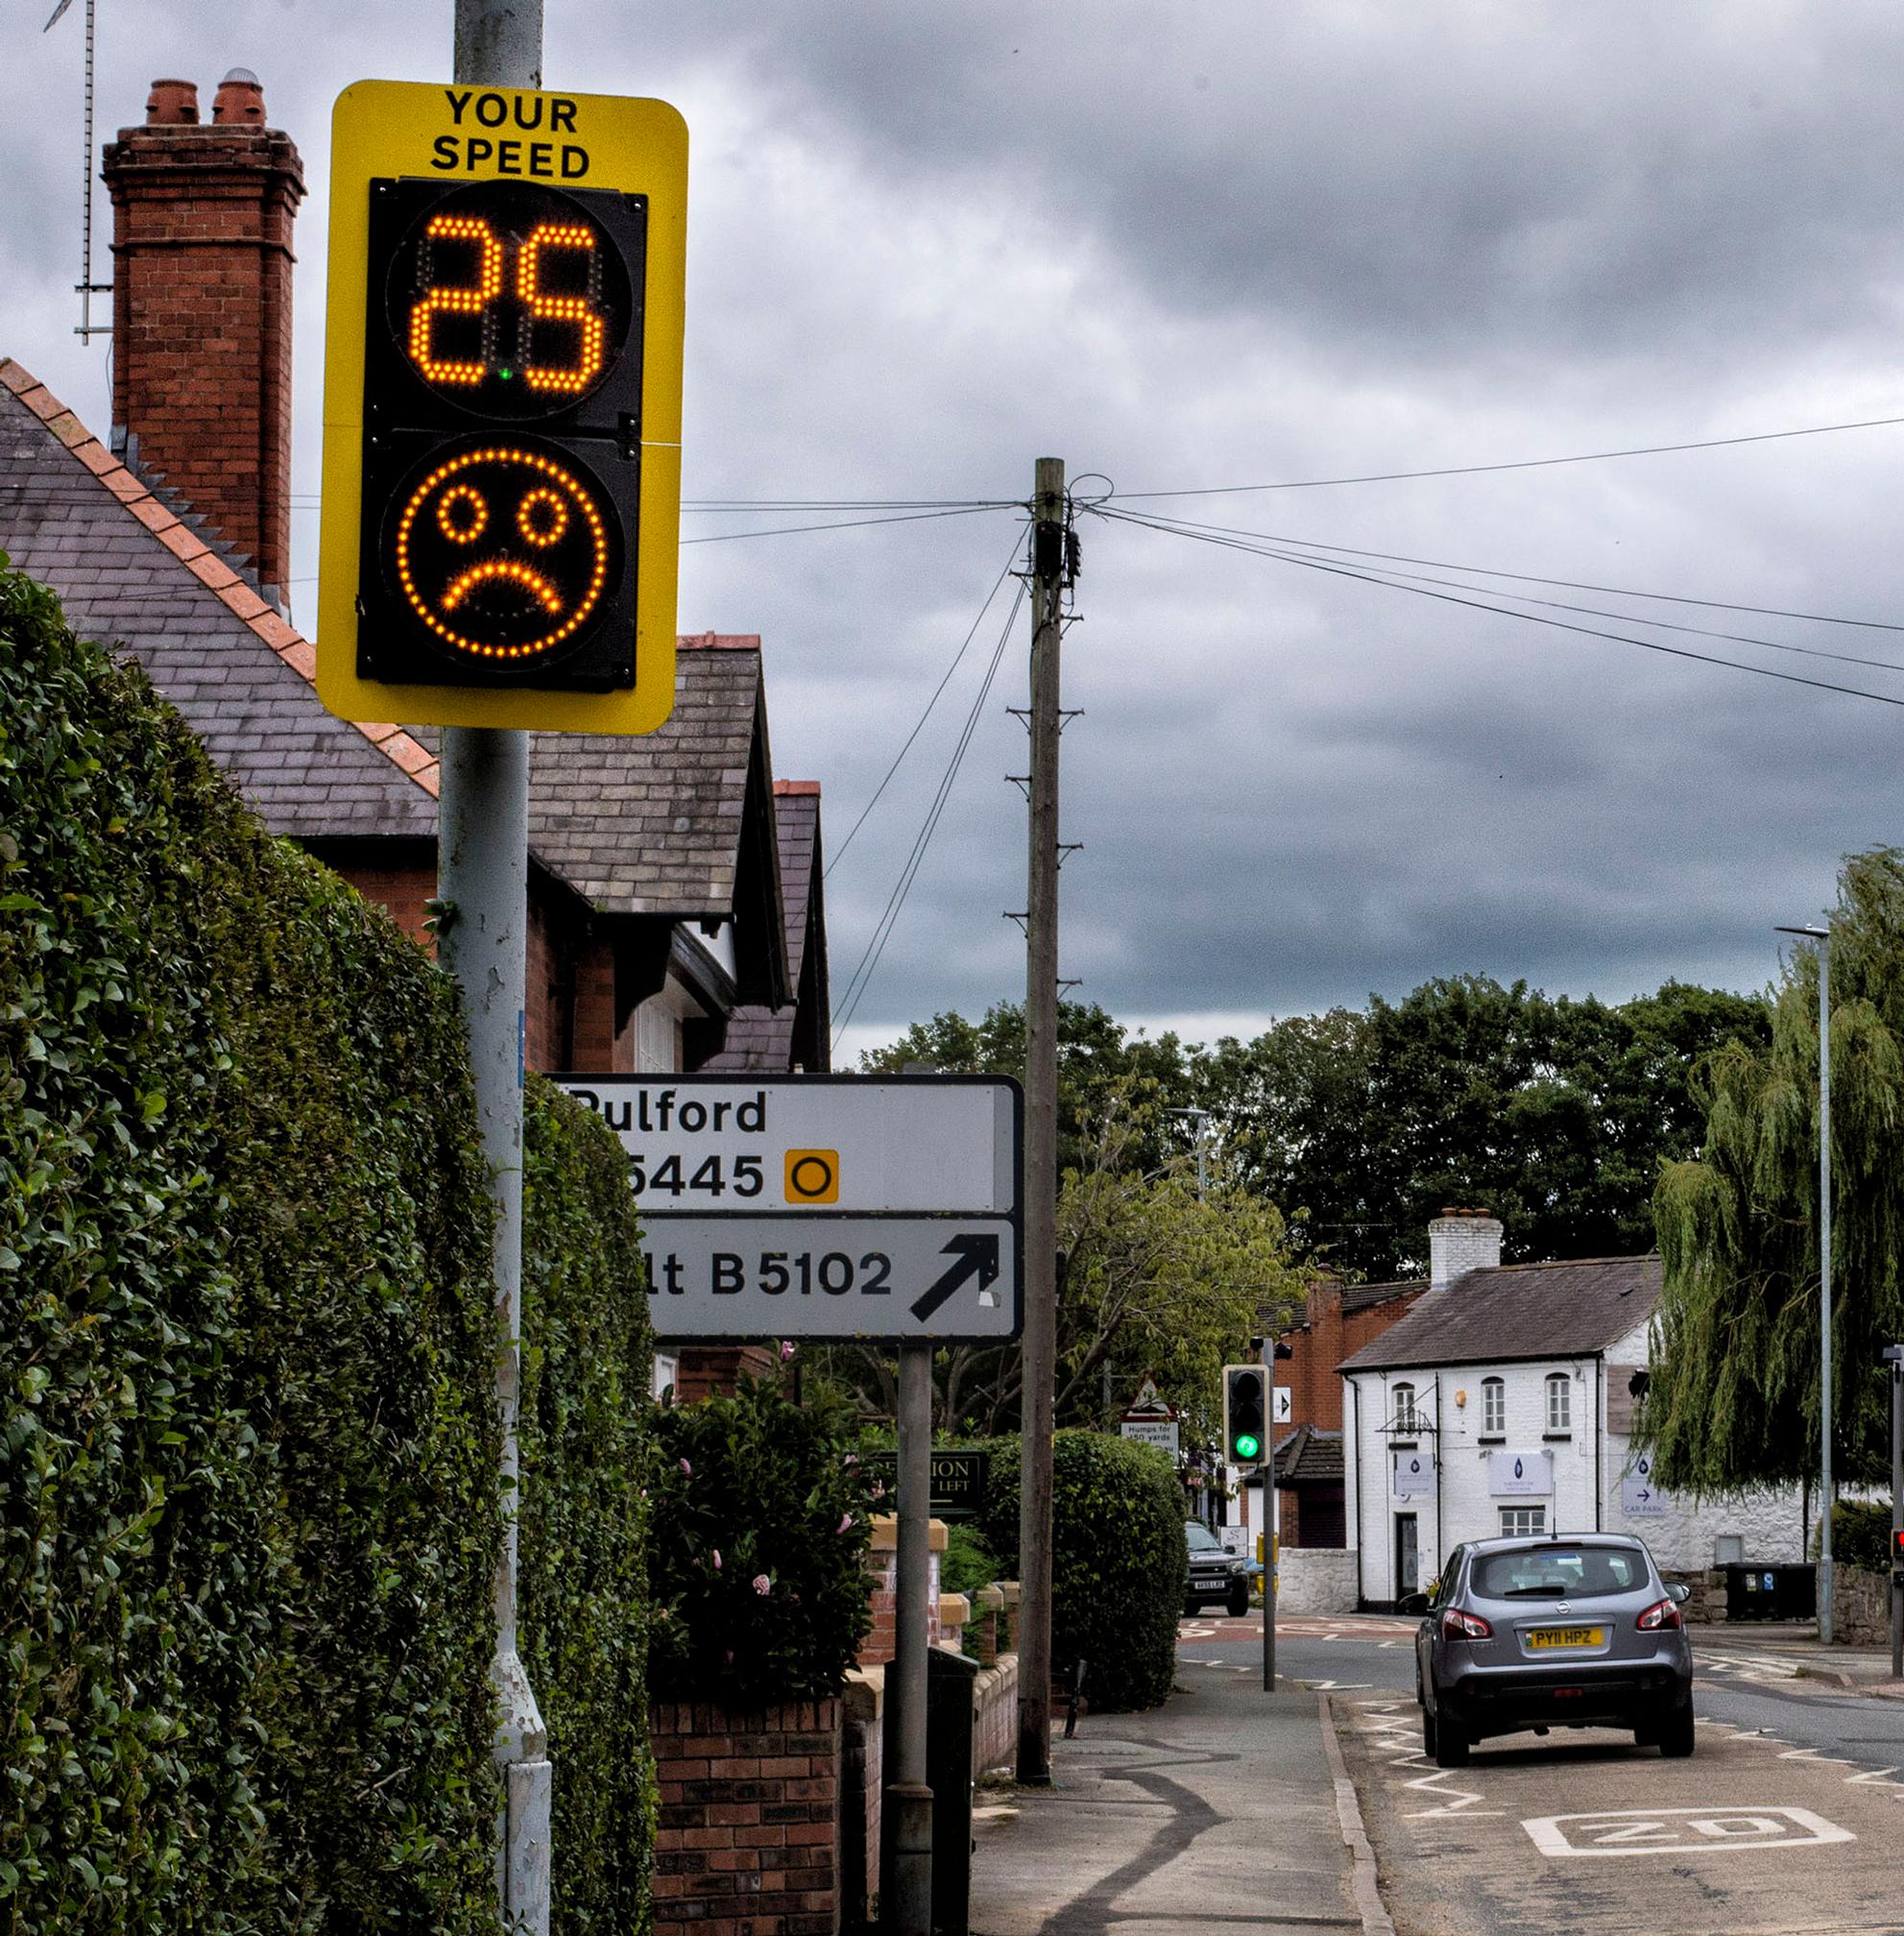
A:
[201,310]
[1461,1240]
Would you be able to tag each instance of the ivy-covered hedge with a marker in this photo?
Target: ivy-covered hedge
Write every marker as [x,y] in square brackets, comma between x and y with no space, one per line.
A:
[1860,1534]
[249,1497]
[583,1582]
[760,1521]
[248,1504]
[1119,1560]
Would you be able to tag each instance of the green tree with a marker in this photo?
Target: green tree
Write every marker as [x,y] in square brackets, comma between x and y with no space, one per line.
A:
[1734,1393]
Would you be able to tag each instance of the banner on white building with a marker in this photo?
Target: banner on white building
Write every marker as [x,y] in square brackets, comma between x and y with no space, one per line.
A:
[1512,1474]
[1638,1494]
[1413,1475]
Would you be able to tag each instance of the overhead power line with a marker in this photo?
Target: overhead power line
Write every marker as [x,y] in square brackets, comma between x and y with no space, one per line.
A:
[869,961]
[1521,463]
[1552,604]
[1533,577]
[918,725]
[1370,577]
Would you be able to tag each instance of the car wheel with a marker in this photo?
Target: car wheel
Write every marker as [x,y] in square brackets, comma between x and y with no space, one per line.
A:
[1675,1738]
[1427,1734]
[1238,1603]
[1451,1743]
[1191,1608]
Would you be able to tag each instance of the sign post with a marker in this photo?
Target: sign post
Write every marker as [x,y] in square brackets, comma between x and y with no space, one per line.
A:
[501,504]
[1893,1356]
[839,1207]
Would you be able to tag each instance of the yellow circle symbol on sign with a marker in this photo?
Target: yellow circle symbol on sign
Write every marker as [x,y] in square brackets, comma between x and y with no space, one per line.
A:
[502,551]
[812,1176]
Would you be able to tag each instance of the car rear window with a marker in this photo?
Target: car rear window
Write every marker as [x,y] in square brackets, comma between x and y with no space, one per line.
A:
[1558,1572]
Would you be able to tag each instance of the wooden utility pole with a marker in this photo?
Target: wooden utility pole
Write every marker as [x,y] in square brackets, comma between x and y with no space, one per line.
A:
[1041,1132]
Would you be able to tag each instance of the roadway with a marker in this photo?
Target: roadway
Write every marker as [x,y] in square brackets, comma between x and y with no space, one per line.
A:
[1788,1818]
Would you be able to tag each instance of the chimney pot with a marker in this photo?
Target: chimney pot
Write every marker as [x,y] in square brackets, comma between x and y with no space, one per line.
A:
[172,102]
[240,100]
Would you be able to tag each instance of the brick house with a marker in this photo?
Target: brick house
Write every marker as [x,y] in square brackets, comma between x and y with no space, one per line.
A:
[1336,1320]
[656,903]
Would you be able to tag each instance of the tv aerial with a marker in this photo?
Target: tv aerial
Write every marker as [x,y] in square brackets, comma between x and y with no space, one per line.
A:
[87,289]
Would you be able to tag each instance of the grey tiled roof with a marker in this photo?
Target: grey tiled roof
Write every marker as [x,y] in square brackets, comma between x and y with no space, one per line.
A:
[1364,1297]
[305,772]
[1308,1456]
[1516,1311]
[760,1040]
[636,826]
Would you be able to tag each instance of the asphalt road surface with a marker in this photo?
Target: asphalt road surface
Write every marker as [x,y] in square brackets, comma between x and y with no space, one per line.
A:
[1788,1819]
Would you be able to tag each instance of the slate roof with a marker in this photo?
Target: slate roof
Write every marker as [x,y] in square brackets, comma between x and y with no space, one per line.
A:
[638,826]
[1308,1457]
[1519,1310]
[1364,1297]
[138,577]
[760,1039]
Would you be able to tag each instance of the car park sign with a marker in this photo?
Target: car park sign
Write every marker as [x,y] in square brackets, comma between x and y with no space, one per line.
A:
[885,1210]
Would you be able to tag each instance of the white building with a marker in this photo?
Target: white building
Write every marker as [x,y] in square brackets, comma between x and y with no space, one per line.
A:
[1500,1404]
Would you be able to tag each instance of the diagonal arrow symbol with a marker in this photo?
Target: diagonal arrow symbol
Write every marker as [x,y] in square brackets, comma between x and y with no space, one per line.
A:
[976,1257]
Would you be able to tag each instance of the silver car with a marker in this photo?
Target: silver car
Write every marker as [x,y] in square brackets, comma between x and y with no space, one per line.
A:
[1552,1633]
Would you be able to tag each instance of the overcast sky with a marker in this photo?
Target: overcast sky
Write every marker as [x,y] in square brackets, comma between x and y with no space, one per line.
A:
[1198,245]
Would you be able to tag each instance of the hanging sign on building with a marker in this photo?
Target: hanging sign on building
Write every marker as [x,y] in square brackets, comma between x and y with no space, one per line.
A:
[1511,1475]
[1639,1496]
[1413,1474]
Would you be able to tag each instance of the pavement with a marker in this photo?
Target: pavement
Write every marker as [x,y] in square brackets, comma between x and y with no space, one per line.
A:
[1857,1670]
[1225,1809]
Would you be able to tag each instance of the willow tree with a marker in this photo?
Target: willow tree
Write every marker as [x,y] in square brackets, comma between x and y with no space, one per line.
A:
[1734,1391]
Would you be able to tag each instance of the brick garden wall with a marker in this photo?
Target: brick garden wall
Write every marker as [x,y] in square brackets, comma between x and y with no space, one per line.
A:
[747,1843]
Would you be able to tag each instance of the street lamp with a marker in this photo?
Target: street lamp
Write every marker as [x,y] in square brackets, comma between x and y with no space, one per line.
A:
[1893,1356]
[1822,936]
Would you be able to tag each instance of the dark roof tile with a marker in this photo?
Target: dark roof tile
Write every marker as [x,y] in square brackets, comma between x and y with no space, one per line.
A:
[1516,1311]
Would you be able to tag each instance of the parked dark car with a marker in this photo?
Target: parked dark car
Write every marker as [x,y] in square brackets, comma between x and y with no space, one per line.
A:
[1214,1573]
[1552,1633]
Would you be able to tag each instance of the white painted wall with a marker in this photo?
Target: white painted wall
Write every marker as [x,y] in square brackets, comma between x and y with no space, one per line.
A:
[1584,1492]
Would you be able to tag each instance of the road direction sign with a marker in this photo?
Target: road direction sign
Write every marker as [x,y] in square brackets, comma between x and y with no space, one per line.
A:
[824,1207]
[1282,1410]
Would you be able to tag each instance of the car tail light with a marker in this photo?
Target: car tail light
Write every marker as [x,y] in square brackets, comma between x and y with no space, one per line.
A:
[1661,1613]
[1459,1626]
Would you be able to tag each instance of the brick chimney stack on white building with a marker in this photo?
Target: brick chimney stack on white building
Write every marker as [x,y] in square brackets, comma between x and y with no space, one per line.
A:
[1461,1240]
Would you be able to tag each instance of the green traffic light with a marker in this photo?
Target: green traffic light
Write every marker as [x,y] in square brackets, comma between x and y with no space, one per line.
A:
[1247,1445]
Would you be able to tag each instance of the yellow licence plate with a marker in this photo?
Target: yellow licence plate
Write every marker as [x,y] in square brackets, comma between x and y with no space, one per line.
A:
[1566,1636]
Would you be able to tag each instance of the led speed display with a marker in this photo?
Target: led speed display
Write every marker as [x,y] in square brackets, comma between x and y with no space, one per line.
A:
[502,419]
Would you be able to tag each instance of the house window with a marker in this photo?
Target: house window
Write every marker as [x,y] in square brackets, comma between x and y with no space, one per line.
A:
[1523,1522]
[1493,1406]
[1405,1418]
[1559,1403]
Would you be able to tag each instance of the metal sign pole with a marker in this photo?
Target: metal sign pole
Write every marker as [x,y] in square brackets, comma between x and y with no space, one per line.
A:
[1896,1354]
[1272,1519]
[907,1795]
[483,879]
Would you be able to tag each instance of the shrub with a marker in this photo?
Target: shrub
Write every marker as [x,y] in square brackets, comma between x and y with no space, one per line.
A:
[248,1459]
[1119,1561]
[758,1527]
[968,1563]
[1861,1533]
[587,1359]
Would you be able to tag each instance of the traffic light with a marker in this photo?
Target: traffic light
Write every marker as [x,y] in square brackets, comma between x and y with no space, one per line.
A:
[1245,1414]
[502,404]
[1897,1555]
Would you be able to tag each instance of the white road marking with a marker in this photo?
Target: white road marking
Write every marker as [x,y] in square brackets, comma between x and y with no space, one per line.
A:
[1679,1832]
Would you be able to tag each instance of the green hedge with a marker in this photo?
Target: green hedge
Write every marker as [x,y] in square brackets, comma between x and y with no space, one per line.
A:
[758,1527]
[248,1505]
[1120,1564]
[1861,1533]
[586,1360]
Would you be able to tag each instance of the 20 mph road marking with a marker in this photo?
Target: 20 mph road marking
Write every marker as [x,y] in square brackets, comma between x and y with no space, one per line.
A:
[1676,1832]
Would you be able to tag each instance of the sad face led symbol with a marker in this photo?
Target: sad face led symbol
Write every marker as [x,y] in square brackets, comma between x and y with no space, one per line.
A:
[503,552]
